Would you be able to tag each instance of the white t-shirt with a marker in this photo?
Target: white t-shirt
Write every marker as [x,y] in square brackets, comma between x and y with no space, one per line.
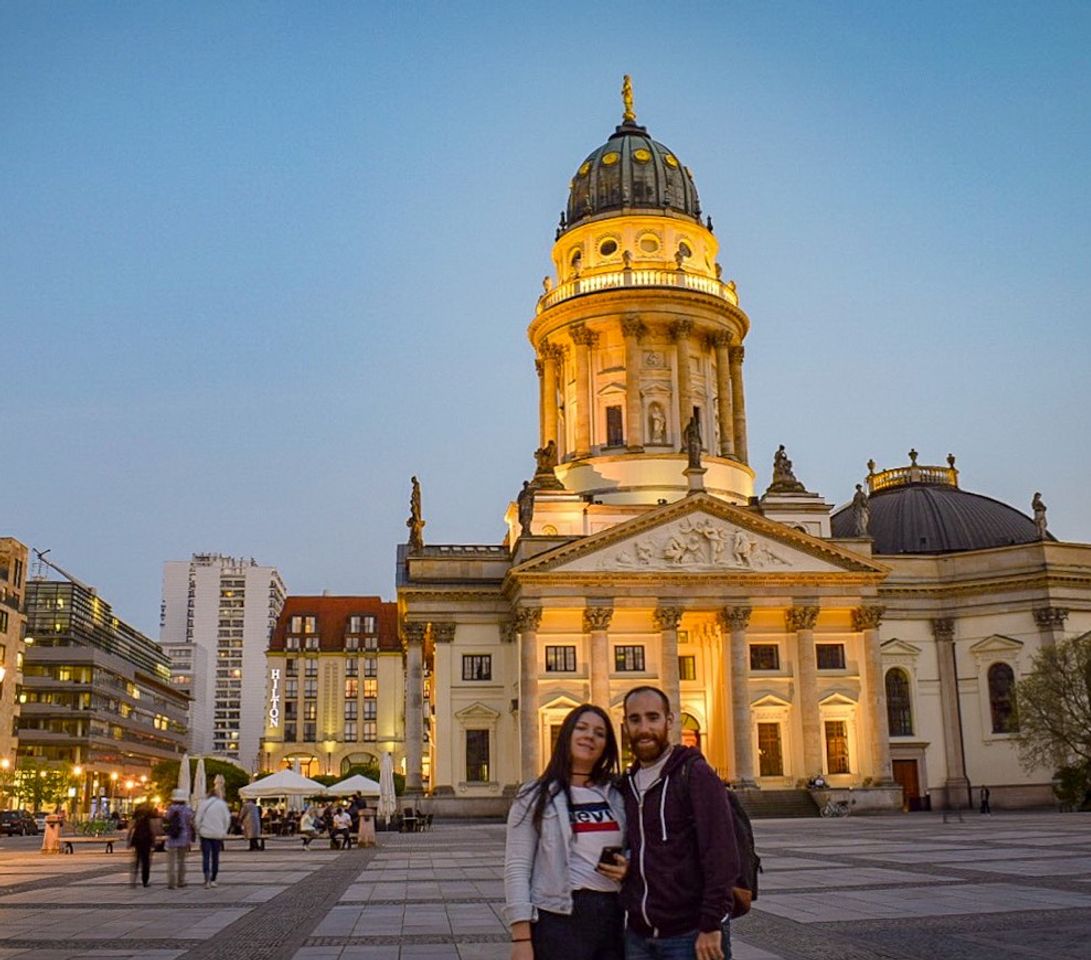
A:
[646,776]
[593,827]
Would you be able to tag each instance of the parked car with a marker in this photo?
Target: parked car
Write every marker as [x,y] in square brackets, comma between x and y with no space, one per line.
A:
[17,823]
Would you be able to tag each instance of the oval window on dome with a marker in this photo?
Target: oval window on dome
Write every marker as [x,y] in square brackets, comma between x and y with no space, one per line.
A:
[584,167]
[609,159]
[670,159]
[640,155]
[649,243]
[575,257]
[684,249]
[608,248]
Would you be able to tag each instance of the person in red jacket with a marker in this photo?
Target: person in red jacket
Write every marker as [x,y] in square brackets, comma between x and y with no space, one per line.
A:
[683,859]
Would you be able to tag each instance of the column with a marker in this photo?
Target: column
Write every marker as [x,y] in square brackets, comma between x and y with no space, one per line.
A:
[734,621]
[943,630]
[414,704]
[801,621]
[442,762]
[584,340]
[552,357]
[667,620]
[633,330]
[527,620]
[596,621]
[680,331]
[738,402]
[1050,622]
[720,341]
[866,620]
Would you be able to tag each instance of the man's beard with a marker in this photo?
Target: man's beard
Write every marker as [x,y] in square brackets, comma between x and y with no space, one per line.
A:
[651,749]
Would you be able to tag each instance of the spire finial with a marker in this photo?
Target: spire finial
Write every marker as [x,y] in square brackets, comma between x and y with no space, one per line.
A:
[629,116]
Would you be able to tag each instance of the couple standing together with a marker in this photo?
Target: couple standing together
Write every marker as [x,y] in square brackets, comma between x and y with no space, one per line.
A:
[644,866]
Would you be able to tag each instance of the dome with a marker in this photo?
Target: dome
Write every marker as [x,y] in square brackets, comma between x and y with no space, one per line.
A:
[922,510]
[631,171]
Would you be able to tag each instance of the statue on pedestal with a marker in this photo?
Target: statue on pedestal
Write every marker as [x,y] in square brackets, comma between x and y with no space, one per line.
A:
[415,523]
[525,503]
[861,512]
[1039,509]
[691,437]
[784,479]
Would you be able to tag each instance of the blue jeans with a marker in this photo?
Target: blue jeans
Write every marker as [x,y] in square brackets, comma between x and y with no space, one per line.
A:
[681,947]
[210,857]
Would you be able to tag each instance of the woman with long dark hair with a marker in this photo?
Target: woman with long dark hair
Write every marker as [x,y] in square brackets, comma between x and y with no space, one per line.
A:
[563,865]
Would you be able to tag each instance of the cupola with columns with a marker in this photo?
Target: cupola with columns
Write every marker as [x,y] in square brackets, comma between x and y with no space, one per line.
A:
[637,332]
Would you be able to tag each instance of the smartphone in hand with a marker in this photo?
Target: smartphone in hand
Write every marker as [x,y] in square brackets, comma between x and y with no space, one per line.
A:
[608,854]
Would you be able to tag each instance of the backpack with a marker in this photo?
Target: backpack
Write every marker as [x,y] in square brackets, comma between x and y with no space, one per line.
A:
[744,840]
[173,826]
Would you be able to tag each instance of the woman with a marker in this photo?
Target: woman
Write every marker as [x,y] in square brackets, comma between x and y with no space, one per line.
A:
[142,836]
[212,821]
[366,835]
[309,825]
[563,865]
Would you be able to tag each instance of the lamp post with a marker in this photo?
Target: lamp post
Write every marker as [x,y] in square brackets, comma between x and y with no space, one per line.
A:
[77,772]
[113,790]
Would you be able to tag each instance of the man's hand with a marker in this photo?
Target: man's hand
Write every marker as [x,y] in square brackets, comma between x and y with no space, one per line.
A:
[615,871]
[522,951]
[709,946]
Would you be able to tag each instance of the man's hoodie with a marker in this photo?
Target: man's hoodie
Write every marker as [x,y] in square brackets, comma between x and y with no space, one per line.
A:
[683,859]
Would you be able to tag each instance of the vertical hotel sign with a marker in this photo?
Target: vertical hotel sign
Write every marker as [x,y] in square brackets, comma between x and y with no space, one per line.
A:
[274,697]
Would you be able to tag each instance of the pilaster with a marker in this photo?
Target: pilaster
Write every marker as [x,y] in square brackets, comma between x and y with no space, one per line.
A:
[735,621]
[866,620]
[527,620]
[667,619]
[596,622]
[801,620]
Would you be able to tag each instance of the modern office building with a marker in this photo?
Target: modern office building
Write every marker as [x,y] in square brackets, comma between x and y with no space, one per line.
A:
[216,618]
[334,691]
[96,691]
[13,568]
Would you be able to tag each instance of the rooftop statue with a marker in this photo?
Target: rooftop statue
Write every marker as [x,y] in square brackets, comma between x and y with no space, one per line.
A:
[861,512]
[525,503]
[784,480]
[415,523]
[691,436]
[1039,509]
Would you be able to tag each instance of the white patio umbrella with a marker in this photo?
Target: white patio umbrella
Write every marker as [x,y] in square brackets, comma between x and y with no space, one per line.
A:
[357,783]
[283,783]
[388,800]
[183,774]
[200,782]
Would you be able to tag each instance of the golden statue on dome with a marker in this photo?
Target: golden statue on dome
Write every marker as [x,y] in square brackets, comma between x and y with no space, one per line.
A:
[629,116]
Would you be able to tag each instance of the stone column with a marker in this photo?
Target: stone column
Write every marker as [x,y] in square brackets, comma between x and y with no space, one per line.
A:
[552,357]
[735,620]
[527,620]
[633,330]
[720,341]
[801,621]
[1050,622]
[738,402]
[943,630]
[680,331]
[866,620]
[667,620]
[414,704]
[584,340]
[596,621]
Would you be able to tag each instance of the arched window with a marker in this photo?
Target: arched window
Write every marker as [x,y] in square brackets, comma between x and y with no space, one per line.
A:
[691,731]
[1002,698]
[899,710]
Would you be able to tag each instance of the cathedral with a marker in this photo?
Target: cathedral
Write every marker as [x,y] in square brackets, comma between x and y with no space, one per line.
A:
[873,647]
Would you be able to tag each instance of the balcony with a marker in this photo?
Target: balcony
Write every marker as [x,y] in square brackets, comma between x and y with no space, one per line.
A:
[629,279]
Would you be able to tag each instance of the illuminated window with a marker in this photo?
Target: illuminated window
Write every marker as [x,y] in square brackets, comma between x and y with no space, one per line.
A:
[560,659]
[770,757]
[476,667]
[352,688]
[837,746]
[371,688]
[370,731]
[687,668]
[629,659]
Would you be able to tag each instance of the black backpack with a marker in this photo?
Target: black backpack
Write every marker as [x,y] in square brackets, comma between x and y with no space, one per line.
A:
[744,833]
[173,826]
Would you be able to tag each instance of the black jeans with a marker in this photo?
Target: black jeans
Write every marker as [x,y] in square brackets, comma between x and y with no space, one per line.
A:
[595,930]
[142,862]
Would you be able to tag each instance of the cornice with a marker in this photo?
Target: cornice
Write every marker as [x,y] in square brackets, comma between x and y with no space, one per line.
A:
[1040,581]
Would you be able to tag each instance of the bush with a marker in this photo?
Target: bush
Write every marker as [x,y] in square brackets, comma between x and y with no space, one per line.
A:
[1072,786]
[165,777]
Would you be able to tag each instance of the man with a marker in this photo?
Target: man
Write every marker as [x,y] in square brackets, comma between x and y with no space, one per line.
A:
[683,859]
[178,826]
[342,823]
[250,822]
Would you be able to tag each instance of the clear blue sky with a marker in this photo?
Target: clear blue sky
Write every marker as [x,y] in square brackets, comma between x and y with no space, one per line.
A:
[260,263]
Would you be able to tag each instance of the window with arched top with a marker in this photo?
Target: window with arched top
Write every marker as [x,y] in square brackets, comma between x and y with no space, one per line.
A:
[899,709]
[1002,698]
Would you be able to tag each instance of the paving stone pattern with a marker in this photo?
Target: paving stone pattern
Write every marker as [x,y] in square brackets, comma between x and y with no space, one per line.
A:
[898,888]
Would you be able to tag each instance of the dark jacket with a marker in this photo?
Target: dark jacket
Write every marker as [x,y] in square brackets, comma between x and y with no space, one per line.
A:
[683,860]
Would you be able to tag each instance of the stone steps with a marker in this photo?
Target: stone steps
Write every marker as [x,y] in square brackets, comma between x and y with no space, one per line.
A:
[763,804]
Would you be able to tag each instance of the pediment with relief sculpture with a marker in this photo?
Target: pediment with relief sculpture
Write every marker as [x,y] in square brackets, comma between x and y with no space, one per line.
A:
[700,534]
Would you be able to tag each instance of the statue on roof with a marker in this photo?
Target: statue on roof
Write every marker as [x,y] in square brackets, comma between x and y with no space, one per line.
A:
[415,523]
[525,504]
[1039,509]
[861,512]
[784,479]
[691,437]
[629,115]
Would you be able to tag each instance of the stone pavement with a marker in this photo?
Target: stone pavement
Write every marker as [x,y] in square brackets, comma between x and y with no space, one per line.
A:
[911,888]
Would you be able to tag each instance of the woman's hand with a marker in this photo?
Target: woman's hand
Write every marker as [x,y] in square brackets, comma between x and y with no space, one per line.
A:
[522,951]
[615,871]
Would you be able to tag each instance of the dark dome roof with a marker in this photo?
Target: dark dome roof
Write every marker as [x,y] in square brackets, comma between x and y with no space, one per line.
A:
[937,518]
[631,171]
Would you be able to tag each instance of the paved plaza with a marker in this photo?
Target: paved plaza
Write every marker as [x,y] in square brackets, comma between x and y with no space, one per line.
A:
[913,887]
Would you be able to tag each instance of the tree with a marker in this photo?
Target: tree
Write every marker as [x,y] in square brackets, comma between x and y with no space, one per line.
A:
[165,776]
[1053,705]
[40,785]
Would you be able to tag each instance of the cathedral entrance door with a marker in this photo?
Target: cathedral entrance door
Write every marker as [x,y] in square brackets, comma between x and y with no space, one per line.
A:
[905,773]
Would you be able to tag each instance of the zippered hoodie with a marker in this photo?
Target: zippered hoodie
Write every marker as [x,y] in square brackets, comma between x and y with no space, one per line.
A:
[683,859]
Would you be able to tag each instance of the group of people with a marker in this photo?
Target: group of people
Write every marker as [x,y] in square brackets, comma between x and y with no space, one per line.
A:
[341,822]
[640,865]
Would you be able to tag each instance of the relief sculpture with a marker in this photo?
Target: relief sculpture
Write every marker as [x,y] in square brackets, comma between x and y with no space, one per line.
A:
[696,544]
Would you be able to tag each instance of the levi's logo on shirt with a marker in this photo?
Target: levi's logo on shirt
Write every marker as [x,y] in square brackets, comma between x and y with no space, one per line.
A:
[591,817]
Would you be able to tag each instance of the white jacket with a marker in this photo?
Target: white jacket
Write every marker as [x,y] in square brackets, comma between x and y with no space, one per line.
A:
[213,819]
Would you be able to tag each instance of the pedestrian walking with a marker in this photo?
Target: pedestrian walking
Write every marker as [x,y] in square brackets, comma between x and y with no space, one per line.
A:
[178,827]
[985,806]
[212,820]
[142,839]
[250,822]
[562,860]
[366,835]
[681,839]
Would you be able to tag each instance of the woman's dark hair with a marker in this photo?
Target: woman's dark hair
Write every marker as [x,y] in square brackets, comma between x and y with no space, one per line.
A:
[557,775]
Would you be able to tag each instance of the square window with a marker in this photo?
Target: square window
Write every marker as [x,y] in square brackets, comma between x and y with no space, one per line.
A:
[629,658]
[764,656]
[350,731]
[560,659]
[476,666]
[370,731]
[831,656]
[687,668]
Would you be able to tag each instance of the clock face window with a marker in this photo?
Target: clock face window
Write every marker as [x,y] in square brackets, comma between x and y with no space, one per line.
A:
[608,248]
[649,244]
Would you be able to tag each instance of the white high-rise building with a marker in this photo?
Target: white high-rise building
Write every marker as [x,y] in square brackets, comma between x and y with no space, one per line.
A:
[216,618]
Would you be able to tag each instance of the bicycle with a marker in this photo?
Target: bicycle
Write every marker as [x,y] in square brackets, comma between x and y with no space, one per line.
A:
[837,808]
